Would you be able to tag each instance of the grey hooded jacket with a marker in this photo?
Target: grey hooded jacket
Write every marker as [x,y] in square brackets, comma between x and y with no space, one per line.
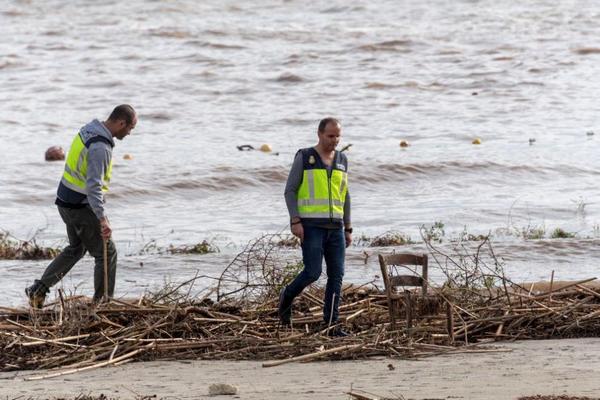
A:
[99,141]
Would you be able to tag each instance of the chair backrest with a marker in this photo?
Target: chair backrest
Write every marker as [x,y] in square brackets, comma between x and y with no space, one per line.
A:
[391,280]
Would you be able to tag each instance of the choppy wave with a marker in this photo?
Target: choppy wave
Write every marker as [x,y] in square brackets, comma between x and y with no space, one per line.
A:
[228,178]
[296,121]
[391,172]
[289,78]
[14,13]
[156,116]
[398,45]
[503,58]
[104,84]
[587,50]
[7,64]
[341,9]
[405,85]
[212,45]
[54,32]
[170,33]
[216,32]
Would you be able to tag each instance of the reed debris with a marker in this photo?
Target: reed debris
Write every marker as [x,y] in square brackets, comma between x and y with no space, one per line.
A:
[12,248]
[72,335]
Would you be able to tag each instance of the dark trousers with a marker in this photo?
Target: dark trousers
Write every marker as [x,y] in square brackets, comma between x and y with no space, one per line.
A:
[83,230]
[322,243]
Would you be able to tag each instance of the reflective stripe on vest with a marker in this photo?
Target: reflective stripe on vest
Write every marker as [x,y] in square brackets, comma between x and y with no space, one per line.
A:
[75,174]
[320,196]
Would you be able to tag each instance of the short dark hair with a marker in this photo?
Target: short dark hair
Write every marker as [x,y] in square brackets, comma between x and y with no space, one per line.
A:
[123,112]
[325,121]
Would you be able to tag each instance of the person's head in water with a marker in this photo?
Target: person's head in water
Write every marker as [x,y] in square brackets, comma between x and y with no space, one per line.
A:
[330,133]
[121,121]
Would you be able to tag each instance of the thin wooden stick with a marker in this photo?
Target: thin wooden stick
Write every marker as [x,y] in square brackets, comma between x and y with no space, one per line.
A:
[312,356]
[105,248]
[549,293]
[39,341]
[73,371]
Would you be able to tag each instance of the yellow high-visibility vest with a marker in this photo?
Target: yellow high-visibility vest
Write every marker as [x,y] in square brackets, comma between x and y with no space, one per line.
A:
[322,194]
[76,166]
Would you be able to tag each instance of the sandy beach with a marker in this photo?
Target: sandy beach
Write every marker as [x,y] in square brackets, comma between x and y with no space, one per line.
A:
[567,366]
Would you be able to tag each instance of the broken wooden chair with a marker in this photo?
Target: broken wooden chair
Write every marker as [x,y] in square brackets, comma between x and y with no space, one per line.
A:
[390,265]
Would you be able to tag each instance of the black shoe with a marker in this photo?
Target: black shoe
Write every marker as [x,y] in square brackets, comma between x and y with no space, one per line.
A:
[335,331]
[37,294]
[284,309]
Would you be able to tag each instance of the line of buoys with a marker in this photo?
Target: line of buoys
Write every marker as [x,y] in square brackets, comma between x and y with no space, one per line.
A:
[404,143]
[127,156]
[266,148]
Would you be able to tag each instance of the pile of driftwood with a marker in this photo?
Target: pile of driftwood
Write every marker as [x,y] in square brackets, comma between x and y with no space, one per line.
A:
[72,333]
[476,304]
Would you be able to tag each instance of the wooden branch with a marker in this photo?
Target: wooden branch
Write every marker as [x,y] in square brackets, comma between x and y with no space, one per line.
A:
[312,356]
[95,366]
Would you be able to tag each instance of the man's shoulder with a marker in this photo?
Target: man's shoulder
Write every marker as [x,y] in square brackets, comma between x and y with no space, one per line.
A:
[99,146]
[99,140]
[306,150]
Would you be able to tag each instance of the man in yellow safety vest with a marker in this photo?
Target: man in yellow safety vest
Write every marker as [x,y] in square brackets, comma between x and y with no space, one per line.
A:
[318,202]
[80,201]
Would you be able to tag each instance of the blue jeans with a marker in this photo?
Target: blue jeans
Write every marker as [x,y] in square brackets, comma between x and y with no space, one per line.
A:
[319,243]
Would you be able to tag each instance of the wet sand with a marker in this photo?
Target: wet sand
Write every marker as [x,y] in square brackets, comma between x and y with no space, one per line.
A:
[568,366]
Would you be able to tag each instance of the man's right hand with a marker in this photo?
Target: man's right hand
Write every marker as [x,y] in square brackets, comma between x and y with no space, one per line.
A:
[105,229]
[298,231]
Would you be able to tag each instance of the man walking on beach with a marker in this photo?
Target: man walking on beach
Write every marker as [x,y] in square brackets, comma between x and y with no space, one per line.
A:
[318,202]
[80,201]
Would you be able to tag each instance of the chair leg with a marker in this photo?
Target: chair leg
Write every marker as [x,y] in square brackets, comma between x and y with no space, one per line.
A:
[392,308]
[450,322]
[409,313]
